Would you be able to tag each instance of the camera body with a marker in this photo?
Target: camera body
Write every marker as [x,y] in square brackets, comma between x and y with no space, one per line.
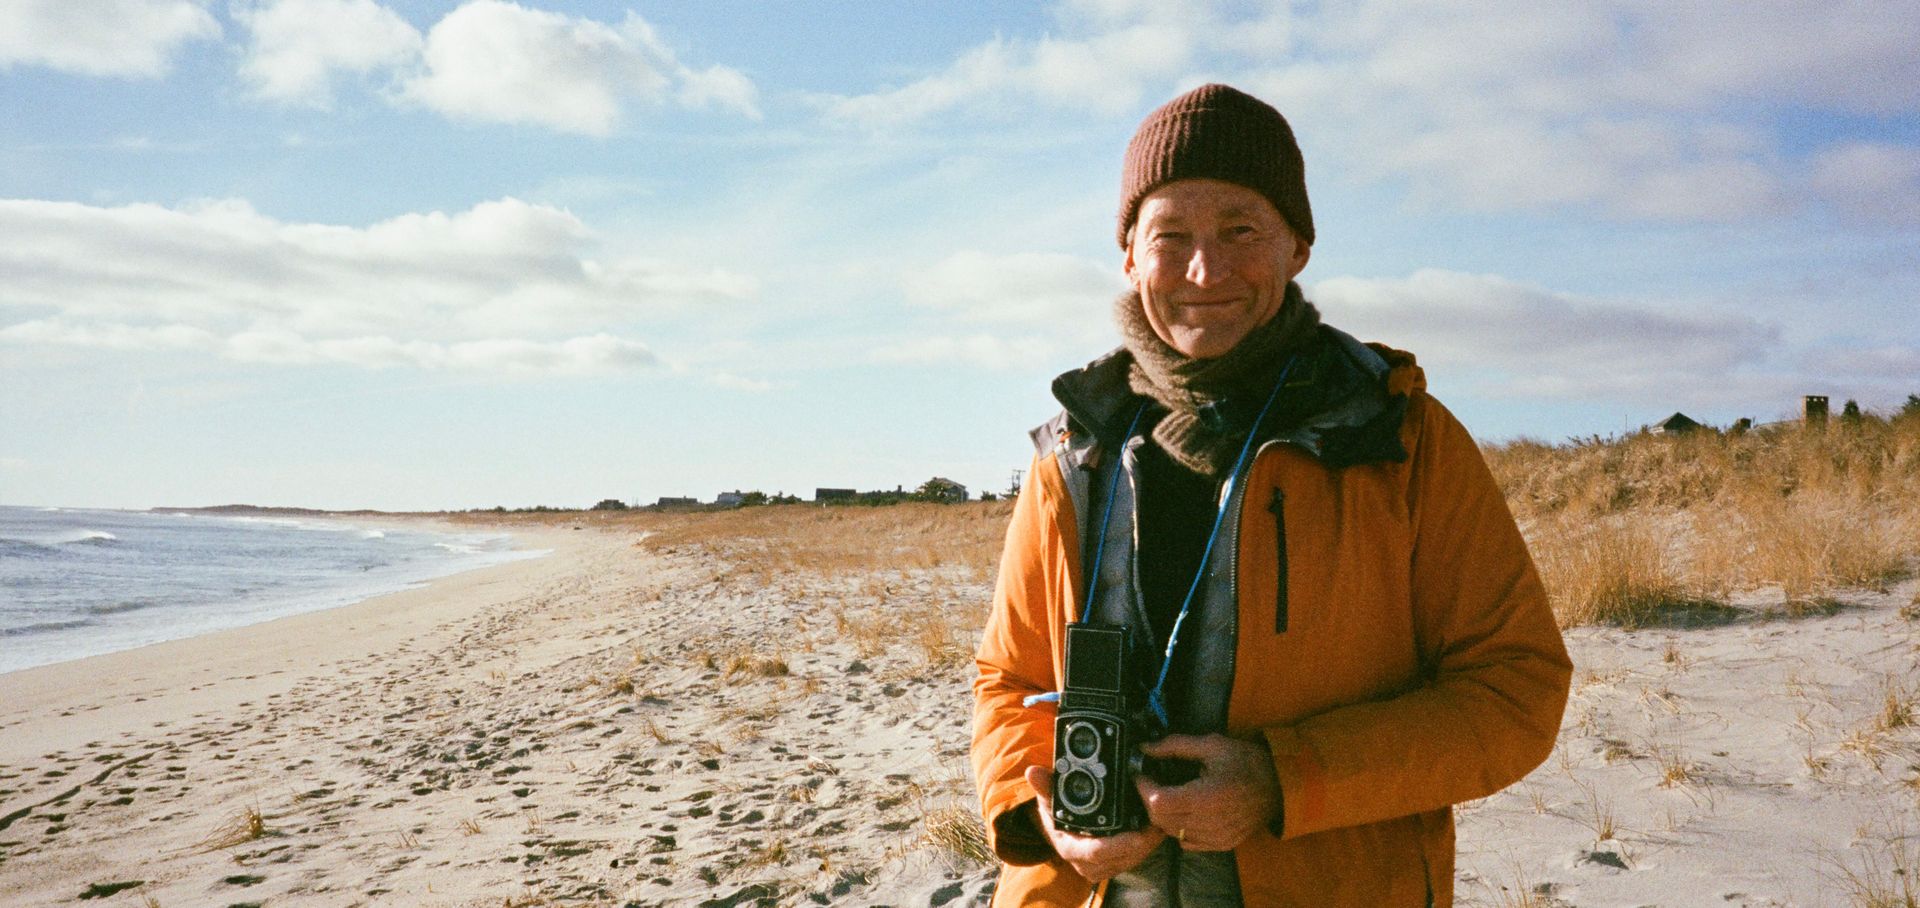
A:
[1102,722]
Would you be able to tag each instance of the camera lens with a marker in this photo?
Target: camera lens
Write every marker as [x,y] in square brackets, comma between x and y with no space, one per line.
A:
[1083,741]
[1079,790]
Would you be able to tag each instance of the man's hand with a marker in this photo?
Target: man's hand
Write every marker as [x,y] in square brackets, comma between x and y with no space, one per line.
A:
[1096,859]
[1234,797]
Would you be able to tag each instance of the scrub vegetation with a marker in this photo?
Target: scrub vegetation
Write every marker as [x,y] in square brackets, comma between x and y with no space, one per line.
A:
[1667,529]
[1634,531]
[763,542]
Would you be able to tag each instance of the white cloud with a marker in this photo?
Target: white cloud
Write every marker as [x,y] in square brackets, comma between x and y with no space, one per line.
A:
[1886,361]
[109,336]
[1893,360]
[1033,306]
[298,46]
[1107,70]
[1665,112]
[577,355]
[732,382]
[1885,365]
[1027,288]
[493,61]
[1856,57]
[1641,110]
[1569,59]
[505,285]
[1637,168]
[1871,180]
[125,38]
[719,86]
[980,350]
[1512,339]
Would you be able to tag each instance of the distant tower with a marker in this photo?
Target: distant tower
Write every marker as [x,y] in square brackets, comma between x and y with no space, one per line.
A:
[1813,409]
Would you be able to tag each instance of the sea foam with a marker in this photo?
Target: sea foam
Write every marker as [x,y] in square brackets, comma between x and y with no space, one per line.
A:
[83,582]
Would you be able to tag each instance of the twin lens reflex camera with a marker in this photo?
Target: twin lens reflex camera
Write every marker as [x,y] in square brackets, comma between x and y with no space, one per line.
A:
[1103,720]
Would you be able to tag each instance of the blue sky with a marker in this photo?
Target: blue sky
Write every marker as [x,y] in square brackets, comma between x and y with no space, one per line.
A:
[424,255]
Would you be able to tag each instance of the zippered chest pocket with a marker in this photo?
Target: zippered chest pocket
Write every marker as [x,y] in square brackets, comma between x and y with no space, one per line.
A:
[1278,508]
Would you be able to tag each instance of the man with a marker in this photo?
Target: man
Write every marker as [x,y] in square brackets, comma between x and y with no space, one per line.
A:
[1363,640]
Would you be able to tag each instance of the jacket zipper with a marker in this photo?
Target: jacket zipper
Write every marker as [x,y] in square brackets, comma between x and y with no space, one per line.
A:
[1239,504]
[1136,602]
[1278,507]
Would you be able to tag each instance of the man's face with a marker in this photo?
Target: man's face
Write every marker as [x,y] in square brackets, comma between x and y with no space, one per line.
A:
[1211,261]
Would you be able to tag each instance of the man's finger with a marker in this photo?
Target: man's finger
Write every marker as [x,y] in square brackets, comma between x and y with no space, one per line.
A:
[1166,801]
[1186,747]
[1042,781]
[1196,843]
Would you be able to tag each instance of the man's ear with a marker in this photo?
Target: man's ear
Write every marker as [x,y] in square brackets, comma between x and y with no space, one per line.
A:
[1298,261]
[1126,264]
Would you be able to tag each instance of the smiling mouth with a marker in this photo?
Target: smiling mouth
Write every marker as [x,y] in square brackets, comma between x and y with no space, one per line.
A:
[1208,310]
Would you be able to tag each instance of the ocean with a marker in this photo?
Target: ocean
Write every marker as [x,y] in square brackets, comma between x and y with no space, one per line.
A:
[77,583]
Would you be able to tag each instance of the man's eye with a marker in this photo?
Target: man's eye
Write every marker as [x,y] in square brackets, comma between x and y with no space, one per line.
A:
[1243,231]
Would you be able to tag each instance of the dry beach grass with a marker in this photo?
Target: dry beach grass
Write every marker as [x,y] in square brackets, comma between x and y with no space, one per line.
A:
[1741,728]
[1626,531]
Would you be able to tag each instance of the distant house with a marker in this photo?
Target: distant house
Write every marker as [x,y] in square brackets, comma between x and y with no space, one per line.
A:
[1677,424]
[677,503]
[731,499]
[835,494]
[943,490]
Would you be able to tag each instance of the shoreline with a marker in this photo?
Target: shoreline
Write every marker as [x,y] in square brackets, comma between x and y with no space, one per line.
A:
[605,725]
[147,677]
[466,548]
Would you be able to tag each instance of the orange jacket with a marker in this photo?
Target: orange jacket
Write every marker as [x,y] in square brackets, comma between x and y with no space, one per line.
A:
[1420,666]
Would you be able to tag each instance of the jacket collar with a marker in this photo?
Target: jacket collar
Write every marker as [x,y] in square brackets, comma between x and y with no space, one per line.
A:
[1343,406]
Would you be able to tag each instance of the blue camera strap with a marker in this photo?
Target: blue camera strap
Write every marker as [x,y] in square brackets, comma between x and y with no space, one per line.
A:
[1099,549]
[1155,700]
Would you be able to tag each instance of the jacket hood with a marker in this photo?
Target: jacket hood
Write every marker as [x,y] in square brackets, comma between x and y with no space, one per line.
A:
[1404,376]
[1344,406]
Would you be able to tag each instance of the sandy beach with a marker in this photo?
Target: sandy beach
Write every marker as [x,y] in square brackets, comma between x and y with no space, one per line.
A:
[650,717]
[603,725]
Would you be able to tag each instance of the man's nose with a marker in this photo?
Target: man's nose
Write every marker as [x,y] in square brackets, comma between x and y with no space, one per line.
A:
[1208,265]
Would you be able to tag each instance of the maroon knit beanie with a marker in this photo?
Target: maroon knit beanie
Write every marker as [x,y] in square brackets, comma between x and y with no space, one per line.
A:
[1217,132]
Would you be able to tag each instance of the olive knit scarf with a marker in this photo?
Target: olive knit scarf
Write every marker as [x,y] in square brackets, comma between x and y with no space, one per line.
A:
[1212,403]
